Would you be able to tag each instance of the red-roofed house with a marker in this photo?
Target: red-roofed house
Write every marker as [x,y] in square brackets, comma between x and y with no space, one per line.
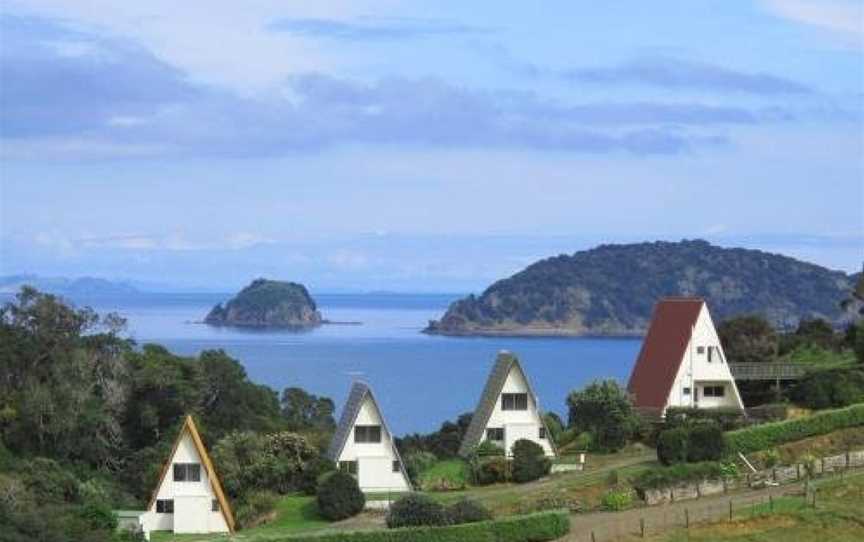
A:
[682,362]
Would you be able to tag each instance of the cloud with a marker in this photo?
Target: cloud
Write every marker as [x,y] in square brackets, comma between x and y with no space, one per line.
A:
[661,72]
[374,28]
[843,18]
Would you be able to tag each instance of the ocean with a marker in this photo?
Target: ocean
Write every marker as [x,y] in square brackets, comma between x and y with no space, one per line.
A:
[419,380]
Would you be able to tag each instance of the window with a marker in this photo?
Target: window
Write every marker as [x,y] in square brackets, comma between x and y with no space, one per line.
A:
[397,467]
[686,391]
[495,434]
[214,505]
[714,391]
[700,349]
[348,466]
[164,506]
[367,433]
[187,472]
[710,351]
[514,401]
[542,433]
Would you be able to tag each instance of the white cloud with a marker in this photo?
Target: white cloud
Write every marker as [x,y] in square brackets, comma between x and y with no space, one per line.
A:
[844,18]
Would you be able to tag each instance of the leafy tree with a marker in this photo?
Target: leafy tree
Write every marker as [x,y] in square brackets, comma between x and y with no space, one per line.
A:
[303,410]
[748,339]
[604,409]
[831,388]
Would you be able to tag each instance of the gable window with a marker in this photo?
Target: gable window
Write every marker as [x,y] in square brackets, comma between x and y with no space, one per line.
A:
[165,506]
[187,472]
[686,391]
[700,349]
[214,505]
[514,401]
[397,466]
[495,434]
[348,466]
[714,391]
[710,352]
[541,433]
[367,433]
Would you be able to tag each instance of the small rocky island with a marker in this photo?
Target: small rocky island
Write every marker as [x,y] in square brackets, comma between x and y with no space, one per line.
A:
[268,304]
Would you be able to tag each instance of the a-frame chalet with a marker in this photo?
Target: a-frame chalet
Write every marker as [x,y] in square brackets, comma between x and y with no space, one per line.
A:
[682,362]
[364,446]
[508,410]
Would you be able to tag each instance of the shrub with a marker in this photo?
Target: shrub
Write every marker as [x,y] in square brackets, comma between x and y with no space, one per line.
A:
[467,511]
[728,418]
[312,472]
[339,496]
[491,471]
[255,508]
[769,435]
[488,448]
[830,388]
[771,458]
[416,462]
[612,478]
[617,499]
[676,474]
[538,527]
[98,516]
[414,510]
[529,461]
[705,443]
[672,446]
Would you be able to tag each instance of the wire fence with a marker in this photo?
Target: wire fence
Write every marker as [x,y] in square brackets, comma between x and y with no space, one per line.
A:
[647,521]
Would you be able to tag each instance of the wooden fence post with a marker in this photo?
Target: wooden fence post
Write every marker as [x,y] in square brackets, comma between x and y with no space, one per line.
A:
[730,509]
[593,538]
[642,527]
[687,518]
[771,503]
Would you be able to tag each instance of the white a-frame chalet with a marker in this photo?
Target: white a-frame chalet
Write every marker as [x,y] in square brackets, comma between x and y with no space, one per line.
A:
[189,497]
[508,411]
[364,446]
[682,363]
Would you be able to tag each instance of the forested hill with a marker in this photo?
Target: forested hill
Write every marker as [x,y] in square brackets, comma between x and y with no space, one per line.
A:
[268,303]
[611,290]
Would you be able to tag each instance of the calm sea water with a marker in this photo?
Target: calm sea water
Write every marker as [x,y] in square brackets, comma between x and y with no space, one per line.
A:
[420,380]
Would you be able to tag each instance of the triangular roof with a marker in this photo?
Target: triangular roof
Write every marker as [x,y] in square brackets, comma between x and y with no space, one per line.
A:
[224,505]
[504,363]
[663,350]
[359,392]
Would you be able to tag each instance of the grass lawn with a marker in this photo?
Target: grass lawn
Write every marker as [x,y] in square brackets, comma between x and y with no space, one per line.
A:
[838,517]
[449,473]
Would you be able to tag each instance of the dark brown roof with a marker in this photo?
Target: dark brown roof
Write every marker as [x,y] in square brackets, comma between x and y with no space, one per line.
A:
[663,350]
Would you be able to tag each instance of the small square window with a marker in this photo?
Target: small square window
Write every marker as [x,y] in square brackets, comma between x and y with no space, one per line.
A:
[397,467]
[686,391]
[542,433]
[214,505]
[700,349]
[164,506]
[514,401]
[495,434]
[367,434]
[348,466]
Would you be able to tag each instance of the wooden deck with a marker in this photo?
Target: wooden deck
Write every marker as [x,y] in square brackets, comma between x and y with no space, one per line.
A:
[768,371]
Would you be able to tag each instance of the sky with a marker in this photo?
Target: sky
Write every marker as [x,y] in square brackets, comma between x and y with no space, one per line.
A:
[421,146]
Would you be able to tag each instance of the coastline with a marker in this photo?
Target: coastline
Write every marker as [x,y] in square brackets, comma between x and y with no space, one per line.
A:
[533,332]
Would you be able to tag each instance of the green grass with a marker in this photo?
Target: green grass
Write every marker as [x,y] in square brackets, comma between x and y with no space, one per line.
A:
[452,472]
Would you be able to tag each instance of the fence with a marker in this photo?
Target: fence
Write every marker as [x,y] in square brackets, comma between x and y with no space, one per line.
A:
[639,523]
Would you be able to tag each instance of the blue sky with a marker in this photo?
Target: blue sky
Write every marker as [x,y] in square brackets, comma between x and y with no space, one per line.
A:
[430,146]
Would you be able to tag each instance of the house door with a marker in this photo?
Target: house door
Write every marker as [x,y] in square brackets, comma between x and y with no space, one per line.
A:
[191,513]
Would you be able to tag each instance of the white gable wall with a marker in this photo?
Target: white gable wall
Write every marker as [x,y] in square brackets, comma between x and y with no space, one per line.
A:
[192,500]
[374,460]
[518,424]
[696,372]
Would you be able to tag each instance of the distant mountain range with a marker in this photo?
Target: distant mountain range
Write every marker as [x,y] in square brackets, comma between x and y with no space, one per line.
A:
[76,287]
[612,289]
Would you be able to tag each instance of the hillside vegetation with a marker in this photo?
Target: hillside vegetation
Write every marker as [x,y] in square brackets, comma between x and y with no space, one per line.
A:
[612,289]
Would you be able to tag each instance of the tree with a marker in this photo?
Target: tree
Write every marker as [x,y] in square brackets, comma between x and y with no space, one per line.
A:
[748,339]
[604,409]
[303,410]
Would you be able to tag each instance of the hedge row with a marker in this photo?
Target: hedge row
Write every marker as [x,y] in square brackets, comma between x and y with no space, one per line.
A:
[679,473]
[538,527]
[768,435]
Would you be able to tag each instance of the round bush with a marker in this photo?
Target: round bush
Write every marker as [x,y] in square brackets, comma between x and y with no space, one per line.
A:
[672,446]
[529,461]
[491,471]
[467,511]
[339,496]
[416,509]
[312,472]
